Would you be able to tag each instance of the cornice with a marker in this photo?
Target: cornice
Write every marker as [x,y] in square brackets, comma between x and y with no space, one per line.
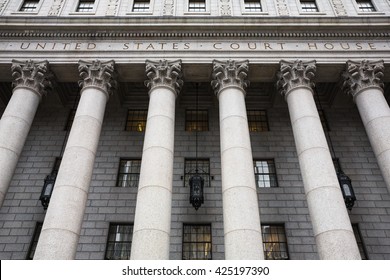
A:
[98,34]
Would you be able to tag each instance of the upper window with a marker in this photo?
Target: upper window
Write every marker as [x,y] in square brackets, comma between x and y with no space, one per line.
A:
[190,167]
[197,120]
[359,241]
[274,242]
[265,173]
[119,242]
[365,6]
[253,6]
[34,241]
[141,5]
[29,6]
[196,242]
[197,5]
[85,6]
[257,120]
[309,6]
[128,175]
[136,120]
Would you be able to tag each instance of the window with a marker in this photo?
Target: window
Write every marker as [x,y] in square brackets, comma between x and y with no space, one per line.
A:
[29,6]
[34,241]
[119,241]
[197,5]
[197,120]
[203,170]
[309,6]
[274,242]
[253,6]
[85,6]
[359,241]
[323,120]
[70,119]
[257,120]
[265,173]
[136,120]
[141,5]
[128,175]
[196,242]
[365,6]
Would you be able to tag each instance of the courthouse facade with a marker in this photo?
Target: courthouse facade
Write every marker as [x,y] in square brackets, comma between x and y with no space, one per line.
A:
[120,103]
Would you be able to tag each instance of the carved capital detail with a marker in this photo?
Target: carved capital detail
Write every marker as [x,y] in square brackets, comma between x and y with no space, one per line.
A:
[364,74]
[229,73]
[164,73]
[98,74]
[295,74]
[34,75]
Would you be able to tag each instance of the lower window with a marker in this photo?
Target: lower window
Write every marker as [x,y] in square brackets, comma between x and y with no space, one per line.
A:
[196,242]
[274,242]
[119,241]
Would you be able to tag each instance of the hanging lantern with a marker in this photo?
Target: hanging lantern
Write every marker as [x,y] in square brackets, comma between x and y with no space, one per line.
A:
[346,189]
[196,191]
[47,189]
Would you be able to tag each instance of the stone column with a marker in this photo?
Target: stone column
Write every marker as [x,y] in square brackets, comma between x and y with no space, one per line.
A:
[331,225]
[152,223]
[62,225]
[31,80]
[363,80]
[241,217]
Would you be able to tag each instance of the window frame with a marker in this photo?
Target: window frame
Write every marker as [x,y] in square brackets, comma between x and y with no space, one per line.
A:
[114,242]
[203,123]
[93,11]
[34,241]
[319,5]
[197,242]
[130,174]
[134,120]
[275,175]
[130,10]
[206,176]
[257,122]
[279,242]
[359,11]
[263,11]
[38,7]
[188,12]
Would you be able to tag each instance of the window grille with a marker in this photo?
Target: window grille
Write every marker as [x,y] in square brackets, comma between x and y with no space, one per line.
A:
[365,6]
[136,120]
[85,6]
[265,173]
[29,6]
[257,120]
[128,174]
[274,242]
[197,120]
[119,241]
[197,242]
[309,6]
[197,6]
[141,6]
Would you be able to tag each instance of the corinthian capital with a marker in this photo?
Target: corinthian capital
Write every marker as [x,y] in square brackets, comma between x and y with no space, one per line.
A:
[295,74]
[364,74]
[33,75]
[98,74]
[229,73]
[164,73]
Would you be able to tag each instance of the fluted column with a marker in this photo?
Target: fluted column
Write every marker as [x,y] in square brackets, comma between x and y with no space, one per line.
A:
[31,80]
[152,223]
[331,225]
[364,81]
[62,225]
[241,217]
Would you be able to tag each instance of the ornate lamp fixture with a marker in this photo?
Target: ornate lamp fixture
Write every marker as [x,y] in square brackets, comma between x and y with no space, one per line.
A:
[344,180]
[196,181]
[50,179]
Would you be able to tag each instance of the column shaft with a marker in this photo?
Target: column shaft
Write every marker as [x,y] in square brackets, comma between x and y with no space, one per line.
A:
[31,80]
[152,223]
[331,225]
[364,81]
[241,216]
[62,225]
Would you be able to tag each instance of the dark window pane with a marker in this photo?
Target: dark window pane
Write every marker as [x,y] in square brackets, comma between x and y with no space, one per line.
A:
[197,120]
[136,120]
[274,242]
[257,120]
[119,242]
[196,242]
